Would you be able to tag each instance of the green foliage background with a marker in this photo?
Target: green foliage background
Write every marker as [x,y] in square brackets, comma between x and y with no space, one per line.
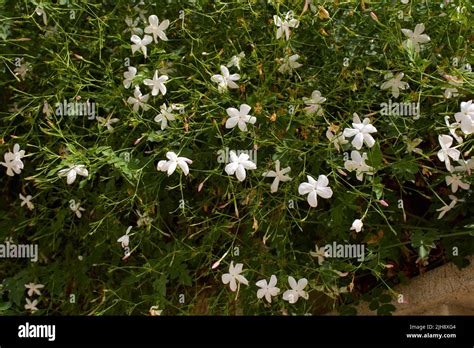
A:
[82,53]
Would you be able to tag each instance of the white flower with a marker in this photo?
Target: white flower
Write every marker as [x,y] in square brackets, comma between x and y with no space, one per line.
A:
[279,175]
[466,117]
[357,163]
[289,64]
[156,28]
[361,132]
[455,182]
[320,254]
[27,200]
[238,165]
[314,188]
[357,225]
[129,76]
[157,84]
[412,145]
[140,44]
[154,311]
[225,80]
[139,100]
[31,305]
[76,208]
[239,117]
[451,92]
[125,239]
[466,166]
[235,60]
[337,139]
[267,290]
[444,209]
[22,69]
[416,37]
[234,276]
[13,161]
[174,161]
[72,171]
[34,289]
[446,151]
[314,103]
[452,129]
[143,219]
[132,26]
[164,116]
[107,122]
[297,290]
[394,83]
[285,25]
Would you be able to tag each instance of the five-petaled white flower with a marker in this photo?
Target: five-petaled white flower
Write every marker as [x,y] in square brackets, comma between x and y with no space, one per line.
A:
[235,60]
[314,103]
[139,100]
[34,289]
[357,225]
[107,122]
[267,290]
[297,290]
[31,306]
[466,166]
[125,239]
[238,165]
[451,92]
[289,63]
[239,117]
[13,161]
[174,161]
[226,80]
[279,175]
[129,76]
[157,84]
[416,37]
[446,151]
[72,172]
[412,145]
[320,254]
[466,117]
[143,219]
[27,200]
[357,163]
[314,188]
[156,28]
[76,208]
[337,139]
[361,132]
[444,209]
[234,278]
[284,25]
[395,83]
[456,182]
[132,26]
[140,44]
[165,115]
